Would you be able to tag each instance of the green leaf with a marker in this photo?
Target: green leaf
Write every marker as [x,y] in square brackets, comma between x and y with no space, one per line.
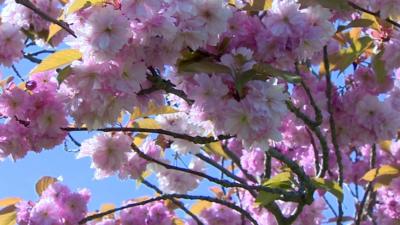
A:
[265,198]
[356,23]
[64,74]
[378,65]
[204,66]
[200,62]
[281,180]
[8,215]
[264,71]
[330,186]
[57,59]
[339,5]
[345,57]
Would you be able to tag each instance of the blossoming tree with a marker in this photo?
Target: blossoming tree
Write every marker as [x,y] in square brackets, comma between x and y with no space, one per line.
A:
[288,100]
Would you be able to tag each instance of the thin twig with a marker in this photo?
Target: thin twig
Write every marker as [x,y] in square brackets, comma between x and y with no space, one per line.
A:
[285,195]
[41,52]
[332,125]
[32,58]
[17,73]
[221,168]
[368,191]
[176,202]
[316,153]
[74,140]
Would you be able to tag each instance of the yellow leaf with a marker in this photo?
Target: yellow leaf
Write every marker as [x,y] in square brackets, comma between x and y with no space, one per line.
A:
[139,138]
[8,215]
[79,4]
[152,109]
[385,145]
[385,170]
[9,201]
[199,206]
[259,5]
[147,123]
[107,206]
[57,59]
[43,183]
[177,221]
[63,2]
[375,25]
[216,148]
[53,30]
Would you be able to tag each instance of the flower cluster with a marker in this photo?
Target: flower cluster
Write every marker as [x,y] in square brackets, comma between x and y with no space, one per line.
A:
[33,117]
[57,206]
[111,154]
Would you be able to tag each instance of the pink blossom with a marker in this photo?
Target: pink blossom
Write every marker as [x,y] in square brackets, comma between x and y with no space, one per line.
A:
[11,44]
[108,152]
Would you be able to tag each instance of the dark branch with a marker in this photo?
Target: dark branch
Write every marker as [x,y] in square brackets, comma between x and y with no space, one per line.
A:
[176,202]
[332,125]
[376,14]
[285,195]
[194,139]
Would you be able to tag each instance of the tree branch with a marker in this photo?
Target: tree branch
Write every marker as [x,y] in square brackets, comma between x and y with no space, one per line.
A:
[160,84]
[194,139]
[303,177]
[314,128]
[42,14]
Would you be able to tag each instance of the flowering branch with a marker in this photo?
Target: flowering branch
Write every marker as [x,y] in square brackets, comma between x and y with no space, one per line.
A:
[170,196]
[376,14]
[42,14]
[285,195]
